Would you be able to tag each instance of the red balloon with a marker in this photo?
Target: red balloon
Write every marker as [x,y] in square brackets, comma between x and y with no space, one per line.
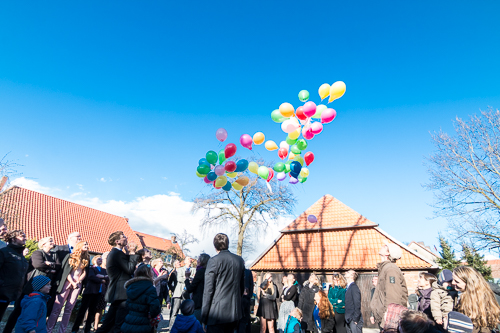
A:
[300,113]
[207,181]
[230,150]
[230,166]
[271,175]
[309,157]
[283,153]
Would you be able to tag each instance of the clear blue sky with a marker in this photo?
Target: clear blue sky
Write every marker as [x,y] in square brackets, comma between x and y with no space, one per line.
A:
[133,92]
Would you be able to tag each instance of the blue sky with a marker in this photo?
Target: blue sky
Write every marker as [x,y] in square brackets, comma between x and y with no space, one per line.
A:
[117,101]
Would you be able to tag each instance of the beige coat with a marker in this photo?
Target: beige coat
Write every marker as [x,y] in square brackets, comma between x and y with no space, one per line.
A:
[441,302]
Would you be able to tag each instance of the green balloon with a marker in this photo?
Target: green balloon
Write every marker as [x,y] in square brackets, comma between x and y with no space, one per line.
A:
[279,167]
[290,141]
[212,157]
[303,95]
[263,172]
[295,149]
[287,166]
[319,110]
[222,156]
[203,169]
[302,179]
[302,144]
[277,117]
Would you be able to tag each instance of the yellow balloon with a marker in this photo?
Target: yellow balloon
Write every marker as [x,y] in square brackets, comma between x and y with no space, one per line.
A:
[287,110]
[232,174]
[220,181]
[304,172]
[243,181]
[237,186]
[299,159]
[324,91]
[271,145]
[253,167]
[337,90]
[258,138]
[291,156]
[200,175]
[294,135]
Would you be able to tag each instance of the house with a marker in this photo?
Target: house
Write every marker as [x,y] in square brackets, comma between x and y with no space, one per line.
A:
[41,215]
[170,248]
[425,251]
[340,240]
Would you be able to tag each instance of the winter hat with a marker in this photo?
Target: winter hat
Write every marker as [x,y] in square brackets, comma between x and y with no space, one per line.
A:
[39,282]
[187,307]
[445,276]
[394,251]
[459,323]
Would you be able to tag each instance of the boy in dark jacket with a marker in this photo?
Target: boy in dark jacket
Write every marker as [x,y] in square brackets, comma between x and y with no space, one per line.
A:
[34,307]
[187,322]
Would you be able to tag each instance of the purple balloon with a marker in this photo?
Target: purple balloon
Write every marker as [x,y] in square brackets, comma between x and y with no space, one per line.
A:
[293,180]
[281,176]
[221,134]
[219,170]
[312,219]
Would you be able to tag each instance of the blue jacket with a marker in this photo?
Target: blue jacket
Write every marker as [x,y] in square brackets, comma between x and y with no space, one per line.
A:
[186,324]
[142,303]
[292,325]
[33,314]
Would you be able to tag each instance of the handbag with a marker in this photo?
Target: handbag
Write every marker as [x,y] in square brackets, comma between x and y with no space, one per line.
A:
[155,321]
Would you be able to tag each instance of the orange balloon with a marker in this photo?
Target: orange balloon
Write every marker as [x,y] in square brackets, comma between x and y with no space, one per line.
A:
[258,138]
[287,110]
[243,180]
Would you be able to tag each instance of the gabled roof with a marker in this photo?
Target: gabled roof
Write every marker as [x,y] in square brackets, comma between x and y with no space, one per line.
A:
[331,214]
[344,240]
[41,215]
[157,243]
[423,247]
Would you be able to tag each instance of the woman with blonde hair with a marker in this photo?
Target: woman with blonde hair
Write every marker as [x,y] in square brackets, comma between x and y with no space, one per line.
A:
[336,296]
[268,310]
[476,300]
[73,273]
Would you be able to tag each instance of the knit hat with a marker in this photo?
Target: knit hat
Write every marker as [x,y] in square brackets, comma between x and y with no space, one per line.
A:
[459,323]
[394,251]
[39,282]
[445,276]
[187,307]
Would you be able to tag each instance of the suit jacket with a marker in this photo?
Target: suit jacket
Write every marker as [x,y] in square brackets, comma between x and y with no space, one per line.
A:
[61,251]
[353,303]
[224,286]
[120,268]
[196,287]
[93,282]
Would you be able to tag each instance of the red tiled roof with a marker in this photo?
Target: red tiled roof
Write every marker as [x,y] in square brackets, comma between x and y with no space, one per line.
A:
[331,213]
[157,243]
[41,215]
[335,246]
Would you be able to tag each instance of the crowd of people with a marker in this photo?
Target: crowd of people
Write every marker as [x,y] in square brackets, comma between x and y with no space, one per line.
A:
[216,295]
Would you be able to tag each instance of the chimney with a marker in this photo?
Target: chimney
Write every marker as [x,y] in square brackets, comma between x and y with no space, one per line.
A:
[174,239]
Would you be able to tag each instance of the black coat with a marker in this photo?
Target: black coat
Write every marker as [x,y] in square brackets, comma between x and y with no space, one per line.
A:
[224,287]
[120,268]
[142,303]
[292,294]
[248,277]
[353,303]
[93,282]
[61,252]
[196,287]
[328,324]
[306,304]
[13,268]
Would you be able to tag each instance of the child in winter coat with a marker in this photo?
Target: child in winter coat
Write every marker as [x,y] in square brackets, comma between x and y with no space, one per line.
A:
[142,302]
[34,307]
[442,298]
[425,281]
[187,322]
[293,322]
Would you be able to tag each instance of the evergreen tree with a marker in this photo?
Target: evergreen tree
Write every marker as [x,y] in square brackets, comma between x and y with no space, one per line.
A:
[475,260]
[32,245]
[448,259]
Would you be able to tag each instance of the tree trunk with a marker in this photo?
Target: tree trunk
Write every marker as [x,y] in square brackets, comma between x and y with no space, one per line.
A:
[239,247]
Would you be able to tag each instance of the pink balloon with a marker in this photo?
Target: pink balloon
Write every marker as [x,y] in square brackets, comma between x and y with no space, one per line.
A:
[221,134]
[219,170]
[290,125]
[316,127]
[307,133]
[246,141]
[309,109]
[207,181]
[328,115]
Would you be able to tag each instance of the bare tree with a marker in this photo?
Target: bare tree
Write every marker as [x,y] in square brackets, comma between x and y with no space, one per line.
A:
[465,178]
[248,211]
[185,239]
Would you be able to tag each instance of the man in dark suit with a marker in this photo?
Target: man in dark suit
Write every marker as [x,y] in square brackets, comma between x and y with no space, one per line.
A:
[245,325]
[224,287]
[353,317]
[120,267]
[63,250]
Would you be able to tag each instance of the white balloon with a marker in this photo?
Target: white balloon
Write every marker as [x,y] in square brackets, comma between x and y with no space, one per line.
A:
[285,145]
[290,125]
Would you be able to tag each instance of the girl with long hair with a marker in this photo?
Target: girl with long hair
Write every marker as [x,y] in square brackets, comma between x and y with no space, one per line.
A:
[268,310]
[324,317]
[336,296]
[73,273]
[476,300]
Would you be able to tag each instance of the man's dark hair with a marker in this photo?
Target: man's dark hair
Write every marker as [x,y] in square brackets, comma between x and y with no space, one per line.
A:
[221,242]
[415,322]
[114,237]
[13,234]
